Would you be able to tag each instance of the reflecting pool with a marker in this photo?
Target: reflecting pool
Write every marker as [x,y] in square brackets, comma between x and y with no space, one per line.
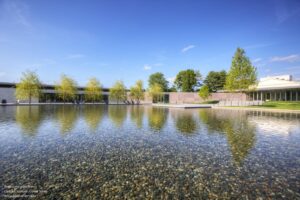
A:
[126,152]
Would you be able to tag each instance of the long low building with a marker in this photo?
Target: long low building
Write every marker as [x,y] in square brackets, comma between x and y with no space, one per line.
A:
[49,95]
[275,88]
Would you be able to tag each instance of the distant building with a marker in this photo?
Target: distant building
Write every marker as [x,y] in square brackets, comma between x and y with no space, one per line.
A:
[276,88]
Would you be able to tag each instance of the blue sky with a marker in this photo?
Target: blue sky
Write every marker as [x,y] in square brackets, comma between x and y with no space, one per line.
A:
[130,39]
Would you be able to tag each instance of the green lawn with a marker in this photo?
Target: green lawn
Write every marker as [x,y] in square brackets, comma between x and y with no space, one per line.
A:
[289,105]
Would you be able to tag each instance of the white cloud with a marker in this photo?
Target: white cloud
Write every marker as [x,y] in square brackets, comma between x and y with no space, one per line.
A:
[256,60]
[289,58]
[189,47]
[258,46]
[74,56]
[16,12]
[147,67]
[171,79]
[158,64]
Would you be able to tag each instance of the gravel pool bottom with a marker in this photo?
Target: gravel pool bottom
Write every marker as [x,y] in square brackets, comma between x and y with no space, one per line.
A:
[138,152]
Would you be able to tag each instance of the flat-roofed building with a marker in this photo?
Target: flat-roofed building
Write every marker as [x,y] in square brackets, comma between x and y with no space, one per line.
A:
[276,88]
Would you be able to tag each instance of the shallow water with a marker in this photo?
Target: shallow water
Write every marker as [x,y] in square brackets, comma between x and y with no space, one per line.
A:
[117,152]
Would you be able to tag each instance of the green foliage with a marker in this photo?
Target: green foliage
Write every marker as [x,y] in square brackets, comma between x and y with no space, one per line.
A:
[157,118]
[28,87]
[215,80]
[158,78]
[173,89]
[241,74]
[66,89]
[93,91]
[137,91]
[155,92]
[118,92]
[187,80]
[293,105]
[204,92]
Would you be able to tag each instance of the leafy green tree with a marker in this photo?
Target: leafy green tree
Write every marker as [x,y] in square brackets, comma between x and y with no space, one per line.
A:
[28,87]
[118,92]
[241,74]
[187,80]
[66,89]
[155,91]
[137,91]
[158,78]
[215,80]
[204,92]
[173,89]
[93,91]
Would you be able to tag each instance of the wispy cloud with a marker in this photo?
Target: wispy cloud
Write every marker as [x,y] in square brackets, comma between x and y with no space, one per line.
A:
[286,9]
[257,46]
[256,60]
[187,48]
[75,56]
[289,58]
[158,64]
[16,12]
[147,67]
[171,79]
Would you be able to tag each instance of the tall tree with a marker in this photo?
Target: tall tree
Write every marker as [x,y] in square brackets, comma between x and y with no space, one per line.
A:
[187,80]
[137,91]
[155,91]
[241,74]
[93,91]
[204,92]
[66,89]
[215,80]
[118,92]
[28,87]
[158,78]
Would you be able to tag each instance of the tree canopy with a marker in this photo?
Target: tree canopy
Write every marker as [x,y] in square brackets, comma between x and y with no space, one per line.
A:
[241,74]
[204,92]
[93,91]
[158,78]
[28,87]
[118,92]
[66,88]
[215,80]
[155,92]
[187,80]
[137,91]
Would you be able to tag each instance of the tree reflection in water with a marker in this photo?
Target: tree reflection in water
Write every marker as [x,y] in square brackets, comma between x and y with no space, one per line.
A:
[29,118]
[66,116]
[185,122]
[137,115]
[157,118]
[93,114]
[117,114]
[234,124]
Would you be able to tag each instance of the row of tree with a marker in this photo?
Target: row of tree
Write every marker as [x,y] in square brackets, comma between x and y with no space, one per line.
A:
[240,76]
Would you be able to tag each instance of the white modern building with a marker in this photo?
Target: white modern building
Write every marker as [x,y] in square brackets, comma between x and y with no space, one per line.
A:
[276,88]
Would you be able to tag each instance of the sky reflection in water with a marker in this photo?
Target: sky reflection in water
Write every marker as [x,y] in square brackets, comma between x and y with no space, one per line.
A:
[128,151]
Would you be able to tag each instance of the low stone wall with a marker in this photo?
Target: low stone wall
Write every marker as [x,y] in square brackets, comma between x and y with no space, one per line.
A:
[184,97]
[226,96]
[193,97]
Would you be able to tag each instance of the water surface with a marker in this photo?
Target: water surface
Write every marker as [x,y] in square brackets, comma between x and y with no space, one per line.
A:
[130,152]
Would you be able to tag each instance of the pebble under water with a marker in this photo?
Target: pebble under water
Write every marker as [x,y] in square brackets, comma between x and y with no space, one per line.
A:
[144,152]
